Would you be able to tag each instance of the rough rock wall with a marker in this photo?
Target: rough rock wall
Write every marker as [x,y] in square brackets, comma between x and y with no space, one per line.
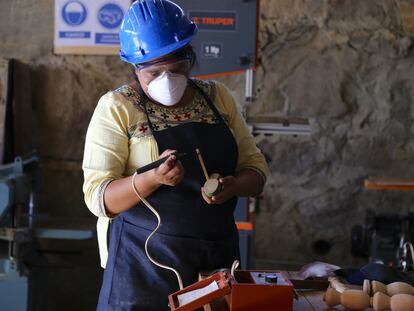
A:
[348,66]
[345,65]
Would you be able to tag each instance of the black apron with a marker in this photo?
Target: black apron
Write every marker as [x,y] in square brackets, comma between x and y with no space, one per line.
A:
[194,236]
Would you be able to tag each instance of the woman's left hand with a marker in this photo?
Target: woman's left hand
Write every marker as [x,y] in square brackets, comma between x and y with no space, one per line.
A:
[229,190]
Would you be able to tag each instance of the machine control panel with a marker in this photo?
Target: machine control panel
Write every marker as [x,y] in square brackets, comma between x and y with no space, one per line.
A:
[226,41]
[270,278]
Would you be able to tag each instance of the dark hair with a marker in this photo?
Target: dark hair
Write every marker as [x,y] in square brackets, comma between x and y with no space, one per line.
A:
[186,51]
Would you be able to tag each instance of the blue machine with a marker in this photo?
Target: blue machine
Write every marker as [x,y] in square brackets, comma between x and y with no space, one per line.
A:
[242,215]
[13,286]
[16,211]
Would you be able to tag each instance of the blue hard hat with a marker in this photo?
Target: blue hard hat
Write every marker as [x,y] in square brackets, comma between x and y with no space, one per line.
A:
[153,28]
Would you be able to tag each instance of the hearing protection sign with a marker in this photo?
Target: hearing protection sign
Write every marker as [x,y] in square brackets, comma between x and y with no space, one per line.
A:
[88,27]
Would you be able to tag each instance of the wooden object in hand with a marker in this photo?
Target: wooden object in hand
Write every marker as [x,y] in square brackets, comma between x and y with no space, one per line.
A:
[212,186]
[203,166]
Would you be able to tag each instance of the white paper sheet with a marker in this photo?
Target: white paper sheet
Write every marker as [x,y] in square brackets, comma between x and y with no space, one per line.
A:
[197,293]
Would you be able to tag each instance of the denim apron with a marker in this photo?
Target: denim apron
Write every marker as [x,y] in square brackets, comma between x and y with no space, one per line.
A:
[194,236]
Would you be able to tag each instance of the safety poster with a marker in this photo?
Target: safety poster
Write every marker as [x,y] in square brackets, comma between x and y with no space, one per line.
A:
[88,27]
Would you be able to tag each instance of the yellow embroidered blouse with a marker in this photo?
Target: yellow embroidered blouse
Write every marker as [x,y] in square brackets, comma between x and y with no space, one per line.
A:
[119,140]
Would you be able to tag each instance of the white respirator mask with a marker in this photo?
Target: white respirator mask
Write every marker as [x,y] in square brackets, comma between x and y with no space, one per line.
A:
[168,88]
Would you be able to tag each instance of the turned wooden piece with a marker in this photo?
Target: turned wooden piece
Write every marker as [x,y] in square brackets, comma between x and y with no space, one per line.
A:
[215,176]
[332,297]
[351,298]
[402,302]
[212,186]
[392,289]
[337,284]
[398,302]
[380,301]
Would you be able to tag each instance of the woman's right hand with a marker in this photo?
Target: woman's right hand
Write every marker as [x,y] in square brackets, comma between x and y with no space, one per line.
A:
[171,172]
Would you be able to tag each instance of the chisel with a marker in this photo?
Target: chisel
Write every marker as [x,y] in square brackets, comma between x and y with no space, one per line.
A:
[158,162]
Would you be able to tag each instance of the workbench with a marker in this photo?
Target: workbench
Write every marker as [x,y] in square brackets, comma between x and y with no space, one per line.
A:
[307,301]
[313,300]
[310,301]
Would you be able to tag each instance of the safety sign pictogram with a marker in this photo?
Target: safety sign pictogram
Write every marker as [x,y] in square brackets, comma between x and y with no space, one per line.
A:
[88,27]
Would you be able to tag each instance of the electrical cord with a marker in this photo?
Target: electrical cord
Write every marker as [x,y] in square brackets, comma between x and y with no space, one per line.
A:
[234,267]
[152,209]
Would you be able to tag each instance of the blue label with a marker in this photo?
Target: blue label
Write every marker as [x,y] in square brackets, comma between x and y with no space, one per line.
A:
[74,13]
[74,34]
[110,16]
[107,38]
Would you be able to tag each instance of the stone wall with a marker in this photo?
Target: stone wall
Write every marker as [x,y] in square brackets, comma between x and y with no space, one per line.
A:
[348,66]
[345,65]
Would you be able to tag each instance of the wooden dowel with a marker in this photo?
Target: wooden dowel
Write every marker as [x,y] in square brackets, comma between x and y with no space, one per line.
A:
[200,158]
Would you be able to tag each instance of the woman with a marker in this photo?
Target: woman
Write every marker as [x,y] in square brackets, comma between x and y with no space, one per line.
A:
[163,112]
